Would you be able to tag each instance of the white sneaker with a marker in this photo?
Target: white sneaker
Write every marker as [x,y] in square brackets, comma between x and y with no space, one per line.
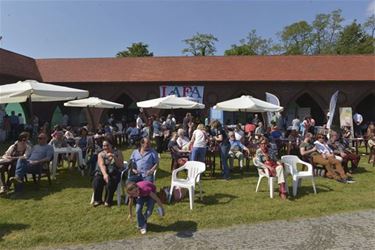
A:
[143,231]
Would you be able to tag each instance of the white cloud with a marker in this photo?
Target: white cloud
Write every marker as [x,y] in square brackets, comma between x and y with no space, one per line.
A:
[371,8]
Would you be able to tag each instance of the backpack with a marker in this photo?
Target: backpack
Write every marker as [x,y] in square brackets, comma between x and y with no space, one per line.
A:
[178,194]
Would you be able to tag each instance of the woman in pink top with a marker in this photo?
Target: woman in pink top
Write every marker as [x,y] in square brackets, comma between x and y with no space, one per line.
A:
[144,192]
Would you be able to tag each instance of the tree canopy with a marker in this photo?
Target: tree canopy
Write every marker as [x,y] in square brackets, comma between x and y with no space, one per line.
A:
[135,50]
[200,45]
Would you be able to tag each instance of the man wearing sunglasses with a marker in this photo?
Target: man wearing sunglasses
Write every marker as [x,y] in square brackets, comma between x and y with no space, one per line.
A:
[40,154]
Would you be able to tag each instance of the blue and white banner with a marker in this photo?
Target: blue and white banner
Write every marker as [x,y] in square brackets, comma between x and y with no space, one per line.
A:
[271,98]
[332,108]
[194,93]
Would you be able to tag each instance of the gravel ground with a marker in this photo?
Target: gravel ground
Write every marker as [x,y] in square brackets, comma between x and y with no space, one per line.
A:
[354,230]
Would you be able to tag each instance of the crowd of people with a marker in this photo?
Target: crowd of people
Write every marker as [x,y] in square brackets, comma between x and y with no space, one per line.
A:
[188,140]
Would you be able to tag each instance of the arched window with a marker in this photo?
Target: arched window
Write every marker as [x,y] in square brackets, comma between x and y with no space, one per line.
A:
[17,108]
[367,108]
[303,106]
[57,117]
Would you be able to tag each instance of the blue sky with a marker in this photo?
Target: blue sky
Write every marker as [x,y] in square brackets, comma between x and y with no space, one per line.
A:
[57,29]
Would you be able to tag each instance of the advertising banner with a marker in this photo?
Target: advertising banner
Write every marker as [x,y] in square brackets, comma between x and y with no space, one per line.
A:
[346,117]
[194,93]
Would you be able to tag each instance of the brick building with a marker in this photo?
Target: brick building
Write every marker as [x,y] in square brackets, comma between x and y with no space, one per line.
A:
[302,83]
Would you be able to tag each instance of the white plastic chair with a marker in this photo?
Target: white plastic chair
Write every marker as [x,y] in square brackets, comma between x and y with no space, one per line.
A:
[291,162]
[194,169]
[263,172]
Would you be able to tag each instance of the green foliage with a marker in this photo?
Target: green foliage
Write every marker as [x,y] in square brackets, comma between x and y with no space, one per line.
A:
[135,50]
[240,50]
[370,25]
[326,28]
[61,215]
[254,45]
[200,45]
[297,38]
[354,40]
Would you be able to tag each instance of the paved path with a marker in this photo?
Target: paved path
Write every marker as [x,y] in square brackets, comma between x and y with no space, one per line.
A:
[354,230]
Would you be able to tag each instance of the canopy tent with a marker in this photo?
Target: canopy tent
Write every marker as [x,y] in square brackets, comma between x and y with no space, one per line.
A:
[170,102]
[38,92]
[93,102]
[247,103]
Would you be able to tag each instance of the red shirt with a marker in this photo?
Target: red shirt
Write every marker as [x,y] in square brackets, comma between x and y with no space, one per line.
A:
[249,128]
[145,188]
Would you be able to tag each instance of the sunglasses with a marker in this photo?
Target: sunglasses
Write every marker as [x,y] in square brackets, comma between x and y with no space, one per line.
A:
[41,138]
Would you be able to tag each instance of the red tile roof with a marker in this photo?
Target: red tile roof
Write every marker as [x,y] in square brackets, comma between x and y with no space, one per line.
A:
[16,65]
[206,69]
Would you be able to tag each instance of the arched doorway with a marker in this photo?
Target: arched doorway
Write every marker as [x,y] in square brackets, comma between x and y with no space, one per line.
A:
[57,117]
[367,108]
[17,108]
[128,112]
[304,106]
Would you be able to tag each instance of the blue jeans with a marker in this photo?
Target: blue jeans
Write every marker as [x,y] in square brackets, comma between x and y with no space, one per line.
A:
[198,154]
[142,217]
[137,178]
[23,166]
[224,154]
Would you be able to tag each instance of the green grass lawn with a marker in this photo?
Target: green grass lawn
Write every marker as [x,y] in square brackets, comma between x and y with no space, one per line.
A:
[61,214]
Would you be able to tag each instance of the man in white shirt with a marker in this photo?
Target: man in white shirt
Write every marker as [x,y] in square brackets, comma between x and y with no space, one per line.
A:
[327,153]
[139,122]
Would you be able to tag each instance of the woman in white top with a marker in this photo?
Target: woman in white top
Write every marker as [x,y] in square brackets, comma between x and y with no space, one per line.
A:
[199,141]
[182,140]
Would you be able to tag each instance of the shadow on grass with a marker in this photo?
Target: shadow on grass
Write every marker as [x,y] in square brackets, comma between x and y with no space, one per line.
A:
[308,190]
[7,228]
[183,229]
[161,173]
[217,199]
[66,178]
[360,170]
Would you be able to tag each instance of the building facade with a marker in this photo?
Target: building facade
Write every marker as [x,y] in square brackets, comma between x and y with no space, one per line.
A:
[304,84]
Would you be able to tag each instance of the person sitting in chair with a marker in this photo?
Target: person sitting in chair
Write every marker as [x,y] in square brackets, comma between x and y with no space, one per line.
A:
[344,152]
[145,160]
[39,154]
[8,161]
[328,155]
[108,172]
[267,157]
[236,148]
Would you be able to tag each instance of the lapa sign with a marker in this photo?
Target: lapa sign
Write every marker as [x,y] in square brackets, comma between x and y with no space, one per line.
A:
[194,93]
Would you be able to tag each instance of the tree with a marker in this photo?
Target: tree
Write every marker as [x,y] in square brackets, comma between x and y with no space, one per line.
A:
[200,45]
[240,50]
[370,24]
[354,40]
[135,50]
[326,28]
[320,33]
[254,45]
[297,38]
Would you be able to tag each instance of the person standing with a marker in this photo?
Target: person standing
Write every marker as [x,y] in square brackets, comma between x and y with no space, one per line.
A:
[199,142]
[158,134]
[221,137]
[358,119]
[296,124]
[144,193]
[14,122]
[185,123]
